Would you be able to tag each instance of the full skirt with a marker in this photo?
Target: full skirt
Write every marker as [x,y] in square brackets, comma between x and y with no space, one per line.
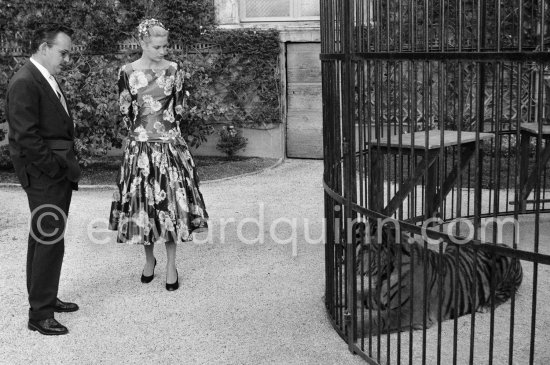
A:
[158,198]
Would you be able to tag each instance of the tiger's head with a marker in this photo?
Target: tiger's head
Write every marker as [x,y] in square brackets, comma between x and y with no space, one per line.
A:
[376,252]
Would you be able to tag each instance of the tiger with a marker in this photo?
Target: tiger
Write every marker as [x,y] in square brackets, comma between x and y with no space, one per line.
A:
[387,292]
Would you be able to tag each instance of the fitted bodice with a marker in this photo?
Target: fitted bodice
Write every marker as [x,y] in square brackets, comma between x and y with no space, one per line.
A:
[152,100]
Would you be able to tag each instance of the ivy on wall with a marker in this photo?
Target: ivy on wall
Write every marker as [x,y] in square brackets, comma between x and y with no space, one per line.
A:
[248,67]
[235,79]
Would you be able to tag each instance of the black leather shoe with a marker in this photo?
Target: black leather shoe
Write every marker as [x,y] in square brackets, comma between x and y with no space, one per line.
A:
[174,286]
[148,279]
[61,306]
[48,326]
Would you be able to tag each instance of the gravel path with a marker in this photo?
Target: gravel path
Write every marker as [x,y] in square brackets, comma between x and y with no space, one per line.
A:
[250,291]
[240,301]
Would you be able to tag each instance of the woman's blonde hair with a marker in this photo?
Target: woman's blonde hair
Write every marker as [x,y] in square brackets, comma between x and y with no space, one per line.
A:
[151,28]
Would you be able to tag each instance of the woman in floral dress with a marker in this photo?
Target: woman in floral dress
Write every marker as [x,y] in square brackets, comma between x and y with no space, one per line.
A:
[158,199]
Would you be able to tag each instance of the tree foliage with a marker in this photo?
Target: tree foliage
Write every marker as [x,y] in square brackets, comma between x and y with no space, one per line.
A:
[101,24]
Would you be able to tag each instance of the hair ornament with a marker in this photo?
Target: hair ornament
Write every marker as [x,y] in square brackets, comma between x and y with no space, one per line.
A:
[145,25]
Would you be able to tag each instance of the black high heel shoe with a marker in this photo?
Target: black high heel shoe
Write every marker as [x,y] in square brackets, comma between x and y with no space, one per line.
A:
[148,279]
[174,286]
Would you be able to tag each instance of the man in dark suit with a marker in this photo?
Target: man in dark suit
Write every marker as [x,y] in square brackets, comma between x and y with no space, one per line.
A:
[41,136]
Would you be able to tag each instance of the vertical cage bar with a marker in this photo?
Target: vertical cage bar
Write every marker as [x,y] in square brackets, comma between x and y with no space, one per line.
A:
[383,89]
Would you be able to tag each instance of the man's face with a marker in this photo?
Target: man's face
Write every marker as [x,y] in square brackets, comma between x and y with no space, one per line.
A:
[57,54]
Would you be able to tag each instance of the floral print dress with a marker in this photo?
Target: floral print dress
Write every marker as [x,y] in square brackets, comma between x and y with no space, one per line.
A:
[158,196]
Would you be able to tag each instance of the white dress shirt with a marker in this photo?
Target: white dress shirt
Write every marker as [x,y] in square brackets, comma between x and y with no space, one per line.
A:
[51,81]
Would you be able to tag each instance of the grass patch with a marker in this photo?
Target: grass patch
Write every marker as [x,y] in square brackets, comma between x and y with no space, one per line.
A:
[103,171]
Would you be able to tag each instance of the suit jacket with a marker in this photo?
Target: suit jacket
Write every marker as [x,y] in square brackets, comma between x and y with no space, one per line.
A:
[41,133]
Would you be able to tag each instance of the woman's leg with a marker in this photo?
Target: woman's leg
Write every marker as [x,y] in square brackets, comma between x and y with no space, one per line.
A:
[149,267]
[171,271]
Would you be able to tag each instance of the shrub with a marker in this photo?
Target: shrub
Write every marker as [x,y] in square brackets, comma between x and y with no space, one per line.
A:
[231,141]
[90,85]
[236,80]
[203,104]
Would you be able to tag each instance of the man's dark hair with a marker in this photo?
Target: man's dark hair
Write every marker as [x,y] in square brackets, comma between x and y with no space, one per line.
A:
[47,33]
